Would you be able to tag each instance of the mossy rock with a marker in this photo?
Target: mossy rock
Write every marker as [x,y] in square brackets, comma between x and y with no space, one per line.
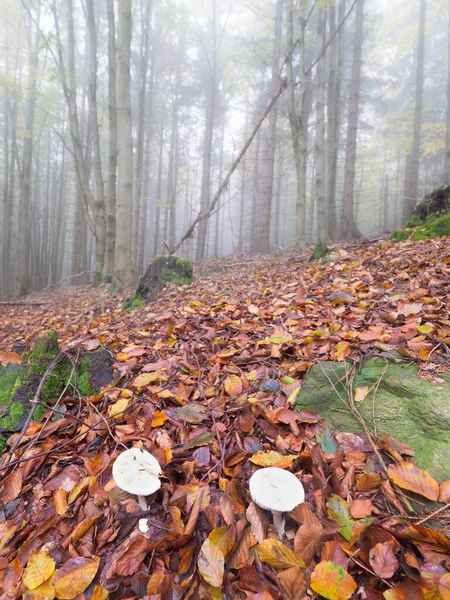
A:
[320,251]
[430,219]
[161,271]
[410,409]
[18,383]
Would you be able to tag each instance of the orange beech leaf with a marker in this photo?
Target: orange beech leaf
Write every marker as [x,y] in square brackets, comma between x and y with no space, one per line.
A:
[292,584]
[272,458]
[224,538]
[9,357]
[409,477]
[12,486]
[444,492]
[382,560]
[233,385]
[332,581]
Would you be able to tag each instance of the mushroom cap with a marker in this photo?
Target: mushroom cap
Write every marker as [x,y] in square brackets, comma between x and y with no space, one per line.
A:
[276,489]
[137,471]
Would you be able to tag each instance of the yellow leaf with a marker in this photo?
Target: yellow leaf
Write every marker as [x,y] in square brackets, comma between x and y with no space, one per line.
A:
[74,577]
[409,477]
[45,591]
[332,581]
[233,385]
[159,418]
[272,458]
[146,378]
[60,500]
[254,310]
[211,564]
[277,555]
[78,489]
[361,393]
[99,593]
[40,567]
[118,408]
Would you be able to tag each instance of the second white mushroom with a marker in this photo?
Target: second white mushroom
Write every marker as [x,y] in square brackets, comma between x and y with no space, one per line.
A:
[277,490]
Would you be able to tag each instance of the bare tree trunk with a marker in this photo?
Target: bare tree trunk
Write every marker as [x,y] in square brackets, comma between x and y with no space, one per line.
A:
[211,94]
[158,194]
[123,269]
[446,178]
[108,268]
[27,160]
[255,192]
[319,154]
[4,242]
[350,229]
[280,167]
[297,120]
[412,183]
[99,212]
[269,142]
[145,25]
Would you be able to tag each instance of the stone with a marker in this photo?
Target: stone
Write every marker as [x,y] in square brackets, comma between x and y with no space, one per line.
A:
[410,409]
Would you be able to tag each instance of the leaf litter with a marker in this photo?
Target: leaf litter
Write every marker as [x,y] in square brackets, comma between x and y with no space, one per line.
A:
[209,374]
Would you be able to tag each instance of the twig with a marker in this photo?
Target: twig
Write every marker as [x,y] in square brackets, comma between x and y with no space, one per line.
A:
[434,514]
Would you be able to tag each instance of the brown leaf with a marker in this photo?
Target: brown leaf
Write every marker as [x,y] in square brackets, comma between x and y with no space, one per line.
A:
[211,564]
[359,509]
[241,553]
[444,586]
[233,385]
[291,583]
[408,590]
[132,559]
[444,492]
[257,521]
[383,560]
[409,477]
[12,486]
[74,577]
[307,540]
[224,538]
[9,357]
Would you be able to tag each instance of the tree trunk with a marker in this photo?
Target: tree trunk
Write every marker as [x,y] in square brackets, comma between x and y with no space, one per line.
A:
[27,160]
[446,178]
[319,154]
[412,183]
[297,121]
[123,269]
[99,212]
[145,25]
[108,268]
[269,142]
[157,234]
[350,229]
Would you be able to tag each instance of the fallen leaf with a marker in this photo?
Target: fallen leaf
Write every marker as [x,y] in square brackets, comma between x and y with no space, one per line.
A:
[9,357]
[409,477]
[40,567]
[233,385]
[332,581]
[211,563]
[74,577]
[383,560]
[278,556]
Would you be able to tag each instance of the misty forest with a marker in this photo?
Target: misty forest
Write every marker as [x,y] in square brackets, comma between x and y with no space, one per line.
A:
[224,299]
[120,123]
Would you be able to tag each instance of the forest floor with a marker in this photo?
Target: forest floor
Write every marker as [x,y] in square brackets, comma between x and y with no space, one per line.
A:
[208,375]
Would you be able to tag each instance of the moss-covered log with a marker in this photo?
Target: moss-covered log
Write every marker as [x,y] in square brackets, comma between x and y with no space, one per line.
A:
[161,271]
[18,383]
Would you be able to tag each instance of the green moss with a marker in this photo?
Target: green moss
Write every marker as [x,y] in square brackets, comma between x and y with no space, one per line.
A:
[401,235]
[320,251]
[3,439]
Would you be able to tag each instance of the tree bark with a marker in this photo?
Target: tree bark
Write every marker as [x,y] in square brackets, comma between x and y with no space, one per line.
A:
[108,268]
[99,212]
[446,177]
[350,229]
[270,138]
[123,269]
[27,161]
[296,114]
[412,183]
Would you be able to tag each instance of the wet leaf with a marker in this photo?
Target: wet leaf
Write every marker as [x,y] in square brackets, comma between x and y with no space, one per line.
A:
[12,486]
[224,538]
[192,413]
[383,561]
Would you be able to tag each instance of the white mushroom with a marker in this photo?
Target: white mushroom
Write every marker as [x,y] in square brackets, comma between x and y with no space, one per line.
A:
[137,472]
[276,490]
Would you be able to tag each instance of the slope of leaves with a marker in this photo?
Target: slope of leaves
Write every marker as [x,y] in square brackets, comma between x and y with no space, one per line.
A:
[207,376]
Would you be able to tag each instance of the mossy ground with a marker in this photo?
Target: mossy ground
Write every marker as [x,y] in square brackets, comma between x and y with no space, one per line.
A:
[18,384]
